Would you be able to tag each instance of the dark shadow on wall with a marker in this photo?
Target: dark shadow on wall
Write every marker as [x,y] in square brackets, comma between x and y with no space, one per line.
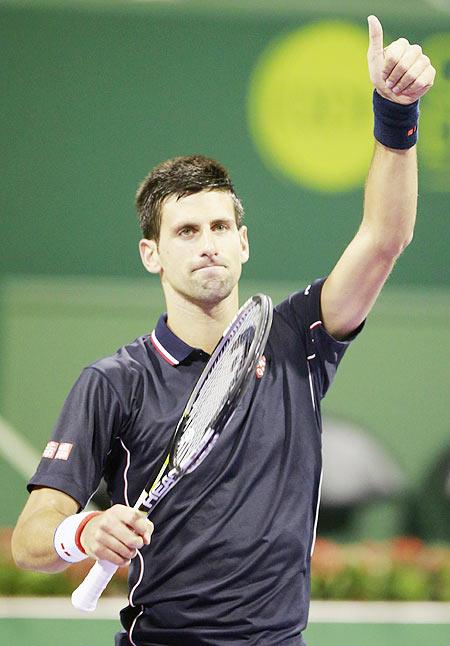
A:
[428,511]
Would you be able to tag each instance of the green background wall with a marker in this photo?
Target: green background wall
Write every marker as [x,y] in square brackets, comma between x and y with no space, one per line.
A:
[96,93]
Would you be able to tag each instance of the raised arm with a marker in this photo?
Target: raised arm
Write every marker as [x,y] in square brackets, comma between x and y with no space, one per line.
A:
[401,74]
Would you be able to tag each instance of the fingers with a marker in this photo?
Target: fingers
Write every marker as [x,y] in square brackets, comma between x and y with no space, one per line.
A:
[375,54]
[116,534]
[375,35]
[400,63]
[138,522]
[106,546]
[408,70]
[422,84]
[400,80]
[401,72]
[392,56]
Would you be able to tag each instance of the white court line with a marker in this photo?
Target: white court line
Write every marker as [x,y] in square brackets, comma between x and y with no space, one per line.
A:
[370,612]
[380,612]
[57,608]
[443,5]
[17,451]
[21,455]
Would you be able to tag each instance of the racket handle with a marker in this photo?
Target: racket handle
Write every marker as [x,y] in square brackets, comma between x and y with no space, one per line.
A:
[89,591]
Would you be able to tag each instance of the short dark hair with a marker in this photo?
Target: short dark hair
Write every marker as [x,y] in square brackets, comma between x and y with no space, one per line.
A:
[180,176]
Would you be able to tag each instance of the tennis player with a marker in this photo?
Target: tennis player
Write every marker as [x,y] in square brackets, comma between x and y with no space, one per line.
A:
[227,560]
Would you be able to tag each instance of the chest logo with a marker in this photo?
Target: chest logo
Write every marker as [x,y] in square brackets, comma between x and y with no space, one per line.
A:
[260,367]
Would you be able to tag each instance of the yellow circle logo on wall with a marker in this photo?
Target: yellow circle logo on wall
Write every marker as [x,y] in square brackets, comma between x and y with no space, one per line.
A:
[310,107]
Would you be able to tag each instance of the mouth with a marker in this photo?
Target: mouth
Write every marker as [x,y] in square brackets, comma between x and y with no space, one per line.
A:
[211,267]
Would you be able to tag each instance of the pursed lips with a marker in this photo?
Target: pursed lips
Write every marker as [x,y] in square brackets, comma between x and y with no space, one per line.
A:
[209,266]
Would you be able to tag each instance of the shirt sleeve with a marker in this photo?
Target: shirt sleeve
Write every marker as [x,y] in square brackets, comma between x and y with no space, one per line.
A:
[73,460]
[324,352]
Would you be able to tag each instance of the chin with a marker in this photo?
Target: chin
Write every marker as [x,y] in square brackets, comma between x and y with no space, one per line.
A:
[213,293]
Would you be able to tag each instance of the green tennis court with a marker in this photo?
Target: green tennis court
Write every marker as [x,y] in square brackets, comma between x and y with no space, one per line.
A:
[73,632]
[40,622]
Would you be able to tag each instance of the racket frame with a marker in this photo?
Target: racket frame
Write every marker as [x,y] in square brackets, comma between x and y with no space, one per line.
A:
[169,474]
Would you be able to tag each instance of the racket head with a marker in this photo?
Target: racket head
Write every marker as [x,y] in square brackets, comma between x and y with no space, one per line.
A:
[204,415]
[222,383]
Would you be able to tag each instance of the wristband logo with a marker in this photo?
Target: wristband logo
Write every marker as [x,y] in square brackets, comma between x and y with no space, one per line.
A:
[309,106]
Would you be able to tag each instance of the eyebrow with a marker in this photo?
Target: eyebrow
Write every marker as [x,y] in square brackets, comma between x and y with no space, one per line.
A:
[191,223]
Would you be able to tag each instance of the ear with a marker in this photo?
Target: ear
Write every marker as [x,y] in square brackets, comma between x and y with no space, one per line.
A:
[245,250]
[149,255]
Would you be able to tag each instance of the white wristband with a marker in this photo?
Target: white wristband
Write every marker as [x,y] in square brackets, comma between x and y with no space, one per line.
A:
[64,539]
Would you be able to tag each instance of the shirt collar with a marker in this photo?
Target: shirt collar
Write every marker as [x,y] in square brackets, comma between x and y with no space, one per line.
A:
[167,344]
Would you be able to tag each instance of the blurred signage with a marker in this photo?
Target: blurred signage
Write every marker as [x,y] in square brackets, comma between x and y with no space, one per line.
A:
[310,111]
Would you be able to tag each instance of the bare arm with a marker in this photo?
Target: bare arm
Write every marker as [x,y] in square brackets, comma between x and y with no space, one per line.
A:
[390,200]
[114,535]
[32,540]
[353,286]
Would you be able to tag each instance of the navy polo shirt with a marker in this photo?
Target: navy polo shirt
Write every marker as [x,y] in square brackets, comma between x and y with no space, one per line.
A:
[229,560]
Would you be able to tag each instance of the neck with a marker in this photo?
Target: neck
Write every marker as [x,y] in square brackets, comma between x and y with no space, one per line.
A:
[200,325]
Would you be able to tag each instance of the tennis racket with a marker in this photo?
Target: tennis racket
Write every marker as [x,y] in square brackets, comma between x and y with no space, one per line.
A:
[207,413]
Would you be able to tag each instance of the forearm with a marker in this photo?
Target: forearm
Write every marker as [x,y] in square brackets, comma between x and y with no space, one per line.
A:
[32,542]
[387,226]
[401,75]
[113,535]
[390,200]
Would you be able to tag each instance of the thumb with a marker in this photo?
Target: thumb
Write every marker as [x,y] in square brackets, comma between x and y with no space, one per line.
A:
[375,53]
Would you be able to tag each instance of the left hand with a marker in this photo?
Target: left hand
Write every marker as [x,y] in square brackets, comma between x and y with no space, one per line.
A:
[400,72]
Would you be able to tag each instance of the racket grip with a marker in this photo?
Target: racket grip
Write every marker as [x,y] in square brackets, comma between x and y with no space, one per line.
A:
[89,591]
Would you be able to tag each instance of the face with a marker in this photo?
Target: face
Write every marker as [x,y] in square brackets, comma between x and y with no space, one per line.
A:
[200,251]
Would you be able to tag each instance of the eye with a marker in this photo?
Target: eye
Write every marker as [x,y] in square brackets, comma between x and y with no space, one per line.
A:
[221,226]
[186,232]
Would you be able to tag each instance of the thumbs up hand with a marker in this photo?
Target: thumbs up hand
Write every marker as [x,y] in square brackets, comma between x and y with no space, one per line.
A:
[400,72]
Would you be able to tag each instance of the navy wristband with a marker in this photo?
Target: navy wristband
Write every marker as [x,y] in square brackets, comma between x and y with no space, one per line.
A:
[395,125]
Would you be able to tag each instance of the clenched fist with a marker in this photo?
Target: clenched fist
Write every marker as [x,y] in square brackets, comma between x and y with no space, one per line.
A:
[116,534]
[400,72]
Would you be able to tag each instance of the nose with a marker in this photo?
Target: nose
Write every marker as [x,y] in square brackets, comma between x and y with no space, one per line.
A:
[208,243]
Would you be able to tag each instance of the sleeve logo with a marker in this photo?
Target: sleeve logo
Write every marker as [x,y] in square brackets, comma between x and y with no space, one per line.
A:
[50,450]
[57,450]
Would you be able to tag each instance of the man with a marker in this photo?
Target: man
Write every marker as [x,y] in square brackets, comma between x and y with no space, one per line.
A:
[229,559]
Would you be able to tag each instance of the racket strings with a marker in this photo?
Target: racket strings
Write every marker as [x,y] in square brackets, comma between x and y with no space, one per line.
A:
[217,387]
[215,390]
[198,425]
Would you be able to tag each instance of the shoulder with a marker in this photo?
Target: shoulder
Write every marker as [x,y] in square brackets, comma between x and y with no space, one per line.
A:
[125,367]
[302,308]
[133,355]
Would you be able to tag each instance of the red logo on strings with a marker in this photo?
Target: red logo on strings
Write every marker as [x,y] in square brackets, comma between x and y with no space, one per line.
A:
[260,367]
